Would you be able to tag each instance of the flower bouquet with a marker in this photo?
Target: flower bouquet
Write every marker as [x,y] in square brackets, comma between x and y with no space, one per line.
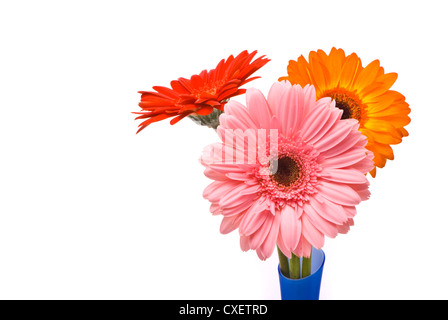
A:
[289,167]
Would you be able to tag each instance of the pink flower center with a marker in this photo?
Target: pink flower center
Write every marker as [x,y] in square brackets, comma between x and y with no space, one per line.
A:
[293,173]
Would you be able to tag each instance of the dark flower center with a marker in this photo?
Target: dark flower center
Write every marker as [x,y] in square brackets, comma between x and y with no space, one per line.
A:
[348,103]
[347,112]
[287,171]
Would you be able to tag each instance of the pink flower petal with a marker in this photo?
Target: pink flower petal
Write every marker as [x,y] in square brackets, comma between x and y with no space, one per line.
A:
[228,224]
[365,165]
[235,196]
[258,237]
[268,245]
[330,122]
[275,94]
[345,159]
[288,112]
[251,189]
[346,175]
[253,220]
[320,120]
[351,211]
[349,142]
[339,193]
[244,243]
[258,108]
[362,190]
[282,246]
[275,123]
[333,137]
[239,112]
[303,249]
[323,225]
[346,226]
[231,211]
[211,174]
[310,232]
[231,122]
[215,209]
[291,227]
[217,189]
[237,176]
[327,210]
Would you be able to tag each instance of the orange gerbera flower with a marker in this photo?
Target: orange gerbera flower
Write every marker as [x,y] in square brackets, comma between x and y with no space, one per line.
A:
[201,94]
[361,92]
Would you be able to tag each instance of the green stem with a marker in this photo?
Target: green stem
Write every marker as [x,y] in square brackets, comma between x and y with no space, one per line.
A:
[284,264]
[306,266]
[294,265]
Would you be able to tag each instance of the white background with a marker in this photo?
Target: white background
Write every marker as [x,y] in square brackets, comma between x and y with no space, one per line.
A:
[90,210]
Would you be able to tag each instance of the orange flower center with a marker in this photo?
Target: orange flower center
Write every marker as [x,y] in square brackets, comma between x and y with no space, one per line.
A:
[348,102]
[209,89]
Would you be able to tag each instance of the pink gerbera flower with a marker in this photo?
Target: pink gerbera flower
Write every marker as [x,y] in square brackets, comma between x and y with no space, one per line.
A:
[302,186]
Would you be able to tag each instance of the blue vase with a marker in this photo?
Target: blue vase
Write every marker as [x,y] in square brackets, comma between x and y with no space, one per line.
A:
[307,288]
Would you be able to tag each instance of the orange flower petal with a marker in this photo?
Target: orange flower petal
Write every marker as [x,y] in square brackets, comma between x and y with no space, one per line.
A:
[350,71]
[367,75]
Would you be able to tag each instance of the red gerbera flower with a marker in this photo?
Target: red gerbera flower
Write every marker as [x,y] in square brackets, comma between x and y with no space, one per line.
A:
[200,94]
